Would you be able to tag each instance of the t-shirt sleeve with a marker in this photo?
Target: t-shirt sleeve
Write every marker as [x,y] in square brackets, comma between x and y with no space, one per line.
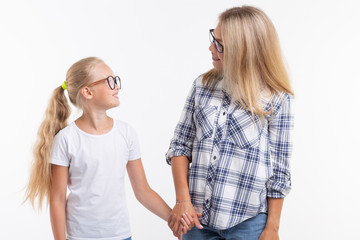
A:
[133,144]
[59,153]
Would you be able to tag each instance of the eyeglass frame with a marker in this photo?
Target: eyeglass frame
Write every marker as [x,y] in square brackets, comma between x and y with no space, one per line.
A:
[108,81]
[216,42]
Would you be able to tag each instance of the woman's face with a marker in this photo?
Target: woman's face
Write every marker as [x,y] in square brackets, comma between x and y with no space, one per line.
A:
[217,57]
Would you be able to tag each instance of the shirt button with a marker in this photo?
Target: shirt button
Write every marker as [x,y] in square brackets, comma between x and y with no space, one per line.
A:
[223,113]
[214,157]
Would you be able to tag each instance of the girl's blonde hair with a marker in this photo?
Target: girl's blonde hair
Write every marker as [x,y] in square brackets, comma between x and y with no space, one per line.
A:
[56,116]
[252,58]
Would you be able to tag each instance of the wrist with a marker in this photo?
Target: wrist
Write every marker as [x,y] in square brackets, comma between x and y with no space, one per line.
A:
[183,201]
[182,196]
[272,224]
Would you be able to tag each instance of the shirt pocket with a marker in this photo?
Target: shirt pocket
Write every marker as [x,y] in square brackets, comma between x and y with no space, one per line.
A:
[204,117]
[243,130]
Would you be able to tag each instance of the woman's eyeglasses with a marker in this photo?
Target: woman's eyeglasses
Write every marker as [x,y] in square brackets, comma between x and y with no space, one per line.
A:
[218,46]
[112,81]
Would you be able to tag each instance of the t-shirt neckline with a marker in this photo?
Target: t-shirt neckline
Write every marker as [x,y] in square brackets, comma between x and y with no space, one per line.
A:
[94,135]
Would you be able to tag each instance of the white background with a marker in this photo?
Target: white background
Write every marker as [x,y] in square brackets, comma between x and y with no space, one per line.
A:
[158,48]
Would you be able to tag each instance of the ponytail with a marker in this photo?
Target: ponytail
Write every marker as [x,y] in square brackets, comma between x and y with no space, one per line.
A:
[56,116]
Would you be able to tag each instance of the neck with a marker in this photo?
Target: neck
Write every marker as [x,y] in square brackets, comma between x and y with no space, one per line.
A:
[94,122]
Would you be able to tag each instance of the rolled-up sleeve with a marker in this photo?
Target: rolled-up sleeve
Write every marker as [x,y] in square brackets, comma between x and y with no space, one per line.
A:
[280,142]
[182,142]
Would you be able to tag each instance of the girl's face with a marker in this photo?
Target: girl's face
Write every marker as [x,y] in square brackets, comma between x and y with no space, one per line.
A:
[104,97]
[217,57]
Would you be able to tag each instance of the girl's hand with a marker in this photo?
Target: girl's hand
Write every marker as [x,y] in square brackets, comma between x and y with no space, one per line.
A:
[176,215]
[188,222]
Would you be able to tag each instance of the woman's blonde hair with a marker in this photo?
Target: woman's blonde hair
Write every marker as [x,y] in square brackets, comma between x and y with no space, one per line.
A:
[56,116]
[252,58]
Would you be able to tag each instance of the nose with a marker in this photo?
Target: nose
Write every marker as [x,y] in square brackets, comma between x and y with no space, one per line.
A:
[211,47]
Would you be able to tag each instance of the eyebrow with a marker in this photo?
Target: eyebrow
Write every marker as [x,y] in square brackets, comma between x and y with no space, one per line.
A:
[217,39]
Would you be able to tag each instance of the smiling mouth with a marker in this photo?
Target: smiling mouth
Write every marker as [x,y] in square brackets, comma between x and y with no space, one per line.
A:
[215,59]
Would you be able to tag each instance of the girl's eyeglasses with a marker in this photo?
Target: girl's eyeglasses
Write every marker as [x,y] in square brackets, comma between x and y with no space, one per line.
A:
[112,81]
[218,46]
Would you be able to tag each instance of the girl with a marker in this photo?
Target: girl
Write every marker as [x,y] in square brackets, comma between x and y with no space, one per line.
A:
[235,131]
[89,156]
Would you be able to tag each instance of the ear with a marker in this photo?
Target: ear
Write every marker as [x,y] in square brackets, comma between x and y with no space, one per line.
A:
[86,92]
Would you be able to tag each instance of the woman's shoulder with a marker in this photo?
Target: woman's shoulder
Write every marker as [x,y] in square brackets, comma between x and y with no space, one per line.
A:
[278,101]
[199,79]
[283,98]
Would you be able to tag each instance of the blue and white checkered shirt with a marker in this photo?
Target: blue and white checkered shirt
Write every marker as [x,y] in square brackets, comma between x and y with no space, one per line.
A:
[236,161]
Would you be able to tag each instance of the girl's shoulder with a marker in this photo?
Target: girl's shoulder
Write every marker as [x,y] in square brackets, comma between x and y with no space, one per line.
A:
[65,135]
[121,124]
[124,127]
[67,131]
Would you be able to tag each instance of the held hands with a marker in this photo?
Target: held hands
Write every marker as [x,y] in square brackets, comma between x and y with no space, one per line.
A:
[183,217]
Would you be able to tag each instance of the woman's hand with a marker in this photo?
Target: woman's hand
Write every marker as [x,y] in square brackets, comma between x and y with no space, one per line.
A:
[183,217]
[180,169]
[269,234]
[271,231]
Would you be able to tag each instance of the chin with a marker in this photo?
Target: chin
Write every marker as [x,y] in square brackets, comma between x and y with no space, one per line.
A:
[114,105]
[217,66]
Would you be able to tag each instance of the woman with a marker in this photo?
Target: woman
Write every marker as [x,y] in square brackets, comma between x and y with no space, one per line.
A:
[235,132]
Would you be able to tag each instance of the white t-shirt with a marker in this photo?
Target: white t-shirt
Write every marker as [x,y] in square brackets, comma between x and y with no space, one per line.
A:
[96,206]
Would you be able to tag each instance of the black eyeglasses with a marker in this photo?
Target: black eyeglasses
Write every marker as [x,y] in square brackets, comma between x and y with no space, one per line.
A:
[218,46]
[112,81]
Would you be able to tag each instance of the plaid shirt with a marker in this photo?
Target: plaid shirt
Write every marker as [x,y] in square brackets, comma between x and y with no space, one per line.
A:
[236,161]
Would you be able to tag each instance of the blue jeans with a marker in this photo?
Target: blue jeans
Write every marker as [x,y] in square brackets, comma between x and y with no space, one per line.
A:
[250,229]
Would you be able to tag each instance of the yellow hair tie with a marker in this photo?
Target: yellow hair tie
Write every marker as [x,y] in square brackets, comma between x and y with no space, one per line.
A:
[64,85]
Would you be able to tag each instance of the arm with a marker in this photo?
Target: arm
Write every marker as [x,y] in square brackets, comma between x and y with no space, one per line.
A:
[143,193]
[180,168]
[179,157]
[58,200]
[280,146]
[271,230]
[279,185]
